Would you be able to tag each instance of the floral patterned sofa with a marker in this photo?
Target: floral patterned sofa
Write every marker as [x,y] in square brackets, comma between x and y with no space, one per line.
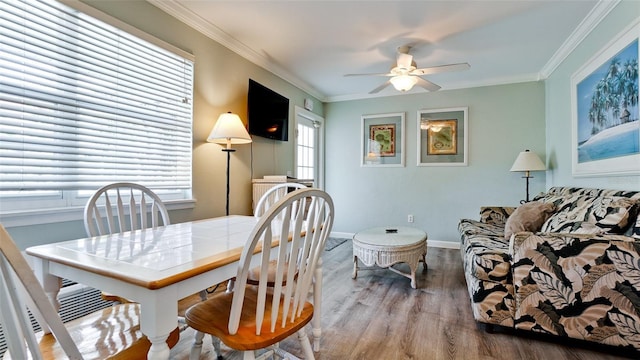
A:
[577,275]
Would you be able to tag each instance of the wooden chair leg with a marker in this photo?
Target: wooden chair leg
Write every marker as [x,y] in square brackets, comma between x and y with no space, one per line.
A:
[306,345]
[196,349]
[216,346]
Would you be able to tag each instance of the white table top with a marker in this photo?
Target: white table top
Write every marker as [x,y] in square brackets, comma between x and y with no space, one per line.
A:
[155,258]
[379,236]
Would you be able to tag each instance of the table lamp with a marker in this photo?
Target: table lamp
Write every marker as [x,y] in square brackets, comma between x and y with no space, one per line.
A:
[528,161]
[229,130]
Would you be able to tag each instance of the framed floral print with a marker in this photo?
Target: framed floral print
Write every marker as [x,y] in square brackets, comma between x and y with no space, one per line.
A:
[382,140]
[442,137]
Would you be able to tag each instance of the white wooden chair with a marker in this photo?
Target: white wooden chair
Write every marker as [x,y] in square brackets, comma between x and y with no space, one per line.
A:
[272,196]
[267,200]
[105,334]
[126,206]
[249,318]
[121,207]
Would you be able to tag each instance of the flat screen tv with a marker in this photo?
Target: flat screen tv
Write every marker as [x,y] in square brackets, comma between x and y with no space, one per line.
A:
[268,112]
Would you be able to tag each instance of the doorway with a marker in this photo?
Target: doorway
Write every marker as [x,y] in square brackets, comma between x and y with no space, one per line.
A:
[309,154]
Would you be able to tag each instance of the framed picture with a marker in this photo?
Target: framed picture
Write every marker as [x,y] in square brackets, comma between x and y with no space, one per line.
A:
[442,137]
[382,140]
[604,105]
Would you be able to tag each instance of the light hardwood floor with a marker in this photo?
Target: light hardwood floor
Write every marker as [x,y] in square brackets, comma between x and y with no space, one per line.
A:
[379,316]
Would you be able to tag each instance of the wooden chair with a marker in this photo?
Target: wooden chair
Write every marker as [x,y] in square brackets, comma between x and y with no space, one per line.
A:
[112,333]
[126,206]
[267,200]
[272,196]
[256,317]
[121,207]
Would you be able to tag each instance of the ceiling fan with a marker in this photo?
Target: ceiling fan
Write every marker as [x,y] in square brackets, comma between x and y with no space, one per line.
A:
[405,74]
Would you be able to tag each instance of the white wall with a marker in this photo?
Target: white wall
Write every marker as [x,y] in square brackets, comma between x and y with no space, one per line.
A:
[558,99]
[503,120]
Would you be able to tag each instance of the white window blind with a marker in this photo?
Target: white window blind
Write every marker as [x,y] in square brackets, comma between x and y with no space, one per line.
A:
[83,103]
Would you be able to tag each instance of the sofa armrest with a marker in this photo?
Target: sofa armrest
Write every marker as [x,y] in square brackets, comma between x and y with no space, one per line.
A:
[580,286]
[496,215]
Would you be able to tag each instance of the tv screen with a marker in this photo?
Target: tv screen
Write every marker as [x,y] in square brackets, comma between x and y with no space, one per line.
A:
[268,112]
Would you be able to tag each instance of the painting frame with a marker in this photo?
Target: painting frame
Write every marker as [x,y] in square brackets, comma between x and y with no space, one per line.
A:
[442,137]
[382,140]
[605,139]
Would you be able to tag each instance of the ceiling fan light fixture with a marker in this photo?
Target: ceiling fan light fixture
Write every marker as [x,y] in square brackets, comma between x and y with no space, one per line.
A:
[403,82]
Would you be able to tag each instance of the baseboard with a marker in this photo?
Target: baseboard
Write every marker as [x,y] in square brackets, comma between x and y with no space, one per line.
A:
[430,243]
[443,244]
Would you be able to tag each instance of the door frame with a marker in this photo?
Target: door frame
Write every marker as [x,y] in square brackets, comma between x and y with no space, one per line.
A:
[308,115]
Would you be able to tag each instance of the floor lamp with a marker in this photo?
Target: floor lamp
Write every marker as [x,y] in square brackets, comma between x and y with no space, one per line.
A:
[228,130]
[528,161]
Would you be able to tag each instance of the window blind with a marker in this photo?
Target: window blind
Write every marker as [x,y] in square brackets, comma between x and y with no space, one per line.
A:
[83,103]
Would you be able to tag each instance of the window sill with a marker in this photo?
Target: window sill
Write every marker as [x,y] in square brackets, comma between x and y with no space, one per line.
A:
[55,215]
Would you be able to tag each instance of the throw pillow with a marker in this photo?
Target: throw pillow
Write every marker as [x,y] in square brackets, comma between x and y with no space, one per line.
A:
[528,217]
[611,213]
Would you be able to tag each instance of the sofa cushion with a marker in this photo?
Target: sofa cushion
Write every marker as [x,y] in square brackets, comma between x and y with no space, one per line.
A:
[487,257]
[558,192]
[496,215]
[528,217]
[581,227]
[610,213]
[473,227]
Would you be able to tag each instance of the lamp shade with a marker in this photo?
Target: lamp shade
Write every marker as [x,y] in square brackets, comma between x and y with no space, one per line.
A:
[528,161]
[403,82]
[229,130]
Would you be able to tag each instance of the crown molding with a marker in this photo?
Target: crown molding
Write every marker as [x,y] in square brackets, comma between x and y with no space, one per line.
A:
[588,24]
[215,33]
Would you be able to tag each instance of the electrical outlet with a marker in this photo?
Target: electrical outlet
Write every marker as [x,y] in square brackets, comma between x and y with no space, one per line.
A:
[410,218]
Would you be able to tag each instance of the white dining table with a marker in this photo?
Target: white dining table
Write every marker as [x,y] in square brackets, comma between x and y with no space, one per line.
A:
[156,268]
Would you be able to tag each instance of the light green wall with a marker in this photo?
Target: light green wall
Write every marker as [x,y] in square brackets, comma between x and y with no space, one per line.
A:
[558,99]
[221,80]
[503,120]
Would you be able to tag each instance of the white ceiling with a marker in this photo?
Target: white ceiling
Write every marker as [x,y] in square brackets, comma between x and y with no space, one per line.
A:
[312,44]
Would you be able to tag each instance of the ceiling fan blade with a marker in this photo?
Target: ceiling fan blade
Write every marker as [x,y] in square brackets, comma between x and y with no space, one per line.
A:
[404,61]
[427,84]
[441,69]
[379,88]
[370,74]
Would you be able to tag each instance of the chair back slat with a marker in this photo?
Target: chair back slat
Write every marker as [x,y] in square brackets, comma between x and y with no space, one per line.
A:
[18,281]
[134,207]
[292,232]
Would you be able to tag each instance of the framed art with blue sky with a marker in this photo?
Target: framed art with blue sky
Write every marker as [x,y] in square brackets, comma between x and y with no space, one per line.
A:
[605,111]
